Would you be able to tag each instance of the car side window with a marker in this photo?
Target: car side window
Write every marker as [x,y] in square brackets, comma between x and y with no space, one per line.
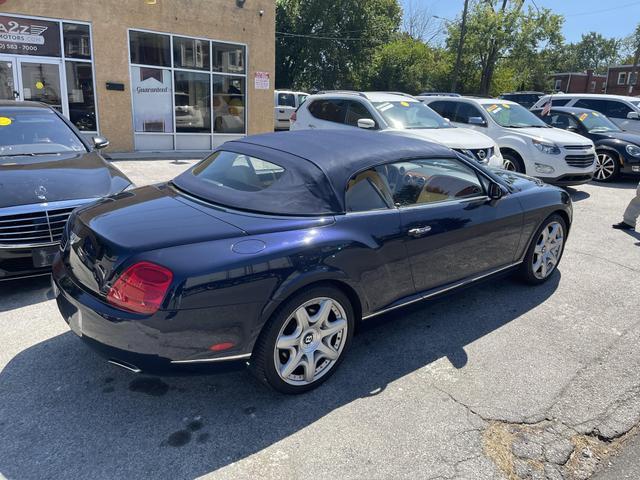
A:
[616,109]
[559,102]
[356,111]
[329,110]
[592,104]
[444,108]
[561,120]
[427,181]
[465,111]
[368,190]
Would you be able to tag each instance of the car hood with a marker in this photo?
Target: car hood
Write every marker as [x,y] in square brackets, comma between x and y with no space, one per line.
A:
[50,178]
[462,138]
[555,135]
[626,137]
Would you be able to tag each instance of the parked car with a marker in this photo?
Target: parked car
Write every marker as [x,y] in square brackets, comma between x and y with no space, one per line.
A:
[392,113]
[272,249]
[526,99]
[286,102]
[439,94]
[46,170]
[528,144]
[617,152]
[621,110]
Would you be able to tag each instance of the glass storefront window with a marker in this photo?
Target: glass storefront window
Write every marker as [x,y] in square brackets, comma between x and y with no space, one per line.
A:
[228,104]
[82,105]
[190,53]
[192,102]
[41,83]
[228,58]
[150,48]
[152,102]
[77,41]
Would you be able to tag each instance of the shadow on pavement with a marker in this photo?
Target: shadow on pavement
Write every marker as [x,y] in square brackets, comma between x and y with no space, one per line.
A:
[27,291]
[66,413]
[625,183]
[577,195]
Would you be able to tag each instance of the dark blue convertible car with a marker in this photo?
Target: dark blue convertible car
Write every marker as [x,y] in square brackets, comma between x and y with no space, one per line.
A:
[270,251]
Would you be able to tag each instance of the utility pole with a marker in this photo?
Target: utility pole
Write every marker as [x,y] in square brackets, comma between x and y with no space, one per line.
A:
[463,31]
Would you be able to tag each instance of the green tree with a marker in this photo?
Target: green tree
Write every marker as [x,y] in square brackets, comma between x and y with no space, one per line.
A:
[405,64]
[593,51]
[503,32]
[328,45]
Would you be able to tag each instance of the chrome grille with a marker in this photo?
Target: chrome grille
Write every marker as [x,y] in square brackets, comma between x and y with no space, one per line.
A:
[34,228]
[476,155]
[580,161]
[577,147]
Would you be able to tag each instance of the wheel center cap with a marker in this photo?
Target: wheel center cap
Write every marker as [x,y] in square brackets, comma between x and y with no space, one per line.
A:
[309,340]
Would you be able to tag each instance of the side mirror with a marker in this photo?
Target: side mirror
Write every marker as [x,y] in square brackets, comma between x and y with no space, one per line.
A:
[477,121]
[366,123]
[633,115]
[495,191]
[100,143]
[447,120]
[572,128]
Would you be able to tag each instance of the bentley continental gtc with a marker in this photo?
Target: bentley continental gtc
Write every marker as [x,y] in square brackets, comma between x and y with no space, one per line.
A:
[270,251]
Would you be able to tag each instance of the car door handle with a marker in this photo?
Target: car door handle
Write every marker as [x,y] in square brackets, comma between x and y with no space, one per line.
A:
[311,125]
[419,232]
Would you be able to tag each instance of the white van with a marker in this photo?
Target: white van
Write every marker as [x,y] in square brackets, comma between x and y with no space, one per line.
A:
[621,110]
[286,102]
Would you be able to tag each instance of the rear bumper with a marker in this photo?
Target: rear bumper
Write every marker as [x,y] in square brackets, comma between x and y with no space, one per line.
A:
[166,342]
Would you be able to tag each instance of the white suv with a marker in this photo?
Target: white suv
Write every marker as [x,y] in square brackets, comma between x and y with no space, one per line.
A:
[285,103]
[528,145]
[621,110]
[394,113]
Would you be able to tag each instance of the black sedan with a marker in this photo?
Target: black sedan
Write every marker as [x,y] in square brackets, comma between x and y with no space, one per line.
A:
[272,249]
[46,170]
[617,151]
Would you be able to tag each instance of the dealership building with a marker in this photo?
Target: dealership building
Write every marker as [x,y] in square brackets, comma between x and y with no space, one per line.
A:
[150,75]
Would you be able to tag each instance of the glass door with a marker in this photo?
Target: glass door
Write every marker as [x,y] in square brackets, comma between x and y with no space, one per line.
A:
[41,81]
[8,79]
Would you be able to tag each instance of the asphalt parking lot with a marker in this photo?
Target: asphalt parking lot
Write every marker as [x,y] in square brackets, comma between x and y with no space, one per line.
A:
[500,380]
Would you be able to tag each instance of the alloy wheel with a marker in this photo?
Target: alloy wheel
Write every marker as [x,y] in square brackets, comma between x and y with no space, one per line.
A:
[605,166]
[509,165]
[310,341]
[547,251]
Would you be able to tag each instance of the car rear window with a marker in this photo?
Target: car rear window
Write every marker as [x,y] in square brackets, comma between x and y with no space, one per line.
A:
[238,172]
[280,185]
[35,132]
[286,100]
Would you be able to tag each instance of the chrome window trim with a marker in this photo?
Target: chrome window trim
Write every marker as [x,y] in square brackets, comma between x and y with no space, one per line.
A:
[442,290]
[211,360]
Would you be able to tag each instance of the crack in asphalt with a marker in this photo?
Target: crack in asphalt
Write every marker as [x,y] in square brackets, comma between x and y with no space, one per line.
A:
[605,259]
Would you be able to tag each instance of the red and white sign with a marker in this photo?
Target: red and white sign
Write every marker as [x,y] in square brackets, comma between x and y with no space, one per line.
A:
[262,81]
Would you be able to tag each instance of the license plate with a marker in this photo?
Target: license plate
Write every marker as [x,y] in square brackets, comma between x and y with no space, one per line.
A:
[43,257]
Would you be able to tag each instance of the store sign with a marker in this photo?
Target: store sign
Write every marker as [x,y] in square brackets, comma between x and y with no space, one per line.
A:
[29,36]
[152,100]
[262,81]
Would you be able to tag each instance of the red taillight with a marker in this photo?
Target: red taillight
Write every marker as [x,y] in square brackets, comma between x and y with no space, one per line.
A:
[141,288]
[293,117]
[218,347]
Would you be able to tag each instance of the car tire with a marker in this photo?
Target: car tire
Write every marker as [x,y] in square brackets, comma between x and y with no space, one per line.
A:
[513,163]
[545,251]
[304,341]
[607,166]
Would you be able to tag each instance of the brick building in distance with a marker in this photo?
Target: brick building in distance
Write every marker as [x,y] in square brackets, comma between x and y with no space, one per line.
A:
[620,78]
[579,82]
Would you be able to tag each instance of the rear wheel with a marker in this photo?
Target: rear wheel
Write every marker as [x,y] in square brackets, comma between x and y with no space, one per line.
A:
[513,163]
[305,340]
[607,167]
[545,251]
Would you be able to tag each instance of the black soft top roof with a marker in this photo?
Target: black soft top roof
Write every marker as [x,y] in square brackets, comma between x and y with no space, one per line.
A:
[319,165]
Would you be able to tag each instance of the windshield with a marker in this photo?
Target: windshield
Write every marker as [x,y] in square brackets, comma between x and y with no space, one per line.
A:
[410,115]
[596,122]
[635,103]
[513,116]
[35,132]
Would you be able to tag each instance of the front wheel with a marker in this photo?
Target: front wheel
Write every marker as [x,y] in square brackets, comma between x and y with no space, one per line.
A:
[512,163]
[545,251]
[305,340]
[607,167]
